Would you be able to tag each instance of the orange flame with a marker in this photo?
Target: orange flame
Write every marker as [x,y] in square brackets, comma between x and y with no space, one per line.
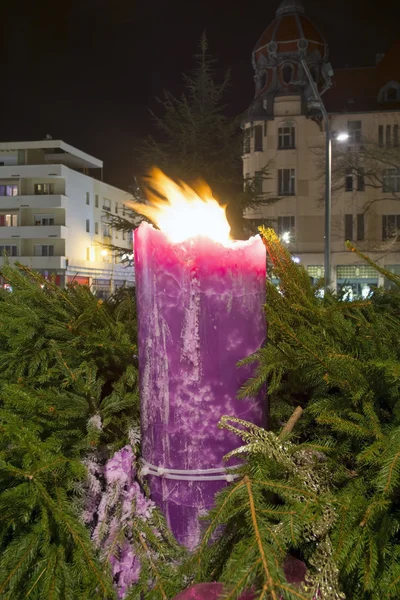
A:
[181,213]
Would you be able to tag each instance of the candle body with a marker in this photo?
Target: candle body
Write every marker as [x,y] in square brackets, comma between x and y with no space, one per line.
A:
[200,310]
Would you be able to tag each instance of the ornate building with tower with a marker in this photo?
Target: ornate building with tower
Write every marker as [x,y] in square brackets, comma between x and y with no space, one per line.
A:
[284,150]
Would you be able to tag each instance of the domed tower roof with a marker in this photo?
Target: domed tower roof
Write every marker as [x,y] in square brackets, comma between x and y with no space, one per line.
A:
[291,31]
[278,55]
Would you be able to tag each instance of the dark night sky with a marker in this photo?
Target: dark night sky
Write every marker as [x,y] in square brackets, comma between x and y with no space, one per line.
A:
[87,71]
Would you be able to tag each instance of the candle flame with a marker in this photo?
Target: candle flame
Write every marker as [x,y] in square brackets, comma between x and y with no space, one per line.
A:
[183,213]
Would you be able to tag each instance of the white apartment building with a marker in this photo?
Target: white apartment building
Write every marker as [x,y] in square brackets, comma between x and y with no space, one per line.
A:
[285,136]
[53,215]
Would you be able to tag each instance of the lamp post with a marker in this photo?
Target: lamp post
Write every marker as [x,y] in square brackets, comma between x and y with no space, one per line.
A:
[318,103]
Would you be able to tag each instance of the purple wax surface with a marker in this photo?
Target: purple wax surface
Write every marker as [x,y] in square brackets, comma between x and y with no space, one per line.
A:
[200,310]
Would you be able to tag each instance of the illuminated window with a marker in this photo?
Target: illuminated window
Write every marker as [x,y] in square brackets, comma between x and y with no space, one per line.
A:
[12,190]
[8,220]
[43,189]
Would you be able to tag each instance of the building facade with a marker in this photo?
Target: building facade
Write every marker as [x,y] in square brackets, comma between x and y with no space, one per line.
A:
[284,151]
[54,213]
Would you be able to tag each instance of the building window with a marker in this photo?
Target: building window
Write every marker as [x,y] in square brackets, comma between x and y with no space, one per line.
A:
[43,250]
[396,136]
[8,220]
[258,138]
[8,250]
[258,182]
[88,253]
[355,132]
[348,227]
[360,228]
[116,208]
[286,227]
[87,225]
[390,226]
[286,182]
[388,136]
[287,73]
[123,234]
[107,204]
[360,180]
[392,94]
[380,136]
[96,201]
[246,141]
[286,137]
[8,190]
[106,230]
[349,183]
[88,198]
[43,189]
[44,219]
[391,180]
[96,228]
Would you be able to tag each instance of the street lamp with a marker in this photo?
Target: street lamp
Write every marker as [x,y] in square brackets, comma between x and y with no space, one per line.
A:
[285,237]
[342,137]
[316,102]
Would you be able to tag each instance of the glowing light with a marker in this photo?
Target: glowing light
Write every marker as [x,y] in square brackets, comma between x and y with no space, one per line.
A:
[296,259]
[285,237]
[342,137]
[104,252]
[183,213]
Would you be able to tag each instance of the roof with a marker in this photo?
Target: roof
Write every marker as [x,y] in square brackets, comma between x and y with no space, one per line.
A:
[71,156]
[286,31]
[358,89]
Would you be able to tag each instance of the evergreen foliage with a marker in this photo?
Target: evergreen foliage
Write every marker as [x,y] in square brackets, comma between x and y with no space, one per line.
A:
[326,493]
[330,496]
[67,360]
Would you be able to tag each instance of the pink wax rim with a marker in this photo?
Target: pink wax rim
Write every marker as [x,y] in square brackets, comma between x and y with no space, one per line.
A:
[202,252]
[231,245]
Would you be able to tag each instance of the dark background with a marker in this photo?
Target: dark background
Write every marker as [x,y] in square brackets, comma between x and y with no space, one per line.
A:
[87,71]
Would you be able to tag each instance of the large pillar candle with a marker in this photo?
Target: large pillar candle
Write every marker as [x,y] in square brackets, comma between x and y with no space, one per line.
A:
[200,310]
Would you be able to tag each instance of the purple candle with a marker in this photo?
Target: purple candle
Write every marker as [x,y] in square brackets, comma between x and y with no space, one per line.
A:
[200,310]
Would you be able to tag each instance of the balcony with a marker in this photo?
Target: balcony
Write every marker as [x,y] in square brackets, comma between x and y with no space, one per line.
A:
[32,171]
[38,262]
[34,232]
[33,201]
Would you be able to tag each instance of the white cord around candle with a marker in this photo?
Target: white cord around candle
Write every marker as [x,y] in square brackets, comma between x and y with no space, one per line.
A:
[216,474]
